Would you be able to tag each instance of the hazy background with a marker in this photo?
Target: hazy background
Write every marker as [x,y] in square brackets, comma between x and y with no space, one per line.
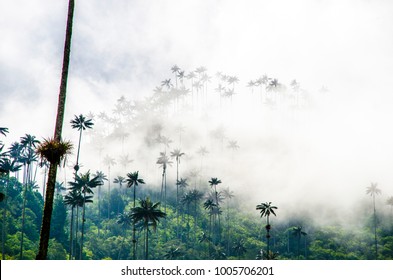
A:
[125,47]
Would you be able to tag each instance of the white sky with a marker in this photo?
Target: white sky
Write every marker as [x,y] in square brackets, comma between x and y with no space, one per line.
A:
[125,47]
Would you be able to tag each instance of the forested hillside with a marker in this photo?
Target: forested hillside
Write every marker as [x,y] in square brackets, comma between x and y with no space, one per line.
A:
[205,168]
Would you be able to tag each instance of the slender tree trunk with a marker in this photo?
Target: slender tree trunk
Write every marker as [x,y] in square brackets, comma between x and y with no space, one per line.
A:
[71,232]
[83,224]
[79,147]
[268,237]
[24,212]
[76,233]
[133,232]
[48,206]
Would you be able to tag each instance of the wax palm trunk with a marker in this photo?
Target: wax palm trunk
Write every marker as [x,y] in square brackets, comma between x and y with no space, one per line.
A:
[50,189]
[71,233]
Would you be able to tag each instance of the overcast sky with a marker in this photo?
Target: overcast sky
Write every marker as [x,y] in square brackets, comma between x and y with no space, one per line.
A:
[125,47]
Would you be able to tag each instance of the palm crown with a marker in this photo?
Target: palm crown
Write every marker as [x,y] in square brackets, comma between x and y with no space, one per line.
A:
[81,122]
[266,209]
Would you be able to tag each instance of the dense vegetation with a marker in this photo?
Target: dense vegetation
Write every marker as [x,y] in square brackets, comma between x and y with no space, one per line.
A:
[165,202]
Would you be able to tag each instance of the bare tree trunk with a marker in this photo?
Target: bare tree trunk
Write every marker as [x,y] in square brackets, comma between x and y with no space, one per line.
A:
[48,206]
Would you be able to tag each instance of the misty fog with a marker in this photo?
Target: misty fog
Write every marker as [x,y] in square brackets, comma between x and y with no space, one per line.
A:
[316,148]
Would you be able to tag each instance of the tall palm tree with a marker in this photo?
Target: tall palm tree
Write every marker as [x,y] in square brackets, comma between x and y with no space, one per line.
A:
[119,180]
[177,154]
[133,180]
[266,209]
[73,199]
[175,70]
[373,190]
[182,183]
[28,145]
[164,161]
[48,206]
[102,177]
[191,76]
[80,123]
[228,195]
[125,221]
[84,184]
[150,214]
[124,160]
[186,201]
[209,205]
[109,162]
[213,183]
[196,197]
[298,232]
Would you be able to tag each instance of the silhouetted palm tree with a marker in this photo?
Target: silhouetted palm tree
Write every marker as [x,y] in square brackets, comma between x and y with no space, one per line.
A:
[150,214]
[133,180]
[72,199]
[84,185]
[186,201]
[373,190]
[298,232]
[102,177]
[164,161]
[28,144]
[119,180]
[175,70]
[228,195]
[125,221]
[209,205]
[48,206]
[196,197]
[124,160]
[80,123]
[109,162]
[267,209]
[177,154]
[213,183]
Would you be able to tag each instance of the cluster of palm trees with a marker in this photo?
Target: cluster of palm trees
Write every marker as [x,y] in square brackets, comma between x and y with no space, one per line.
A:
[193,96]
[21,156]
